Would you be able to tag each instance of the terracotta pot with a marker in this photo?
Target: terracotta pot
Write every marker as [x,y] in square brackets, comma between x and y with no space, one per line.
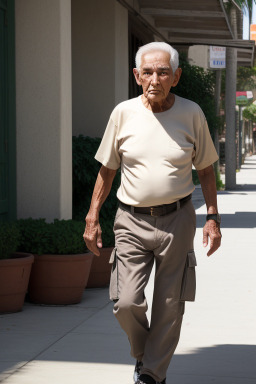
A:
[14,278]
[100,270]
[59,279]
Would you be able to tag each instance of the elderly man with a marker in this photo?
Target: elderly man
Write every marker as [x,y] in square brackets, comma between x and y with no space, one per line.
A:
[155,138]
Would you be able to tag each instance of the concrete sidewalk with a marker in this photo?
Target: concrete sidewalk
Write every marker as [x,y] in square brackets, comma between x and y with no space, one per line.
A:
[84,344]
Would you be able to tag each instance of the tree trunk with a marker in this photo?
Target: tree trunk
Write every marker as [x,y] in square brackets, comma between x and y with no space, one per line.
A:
[250,21]
[230,144]
[217,110]
[217,106]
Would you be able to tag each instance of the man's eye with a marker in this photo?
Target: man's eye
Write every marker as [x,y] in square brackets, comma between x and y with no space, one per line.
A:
[164,73]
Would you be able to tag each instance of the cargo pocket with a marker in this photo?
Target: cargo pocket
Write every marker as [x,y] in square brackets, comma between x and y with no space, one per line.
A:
[113,286]
[188,286]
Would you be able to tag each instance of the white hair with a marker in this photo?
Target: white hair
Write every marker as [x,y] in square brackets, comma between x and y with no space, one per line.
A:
[158,46]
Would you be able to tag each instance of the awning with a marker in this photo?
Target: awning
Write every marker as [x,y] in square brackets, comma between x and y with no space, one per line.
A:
[193,22]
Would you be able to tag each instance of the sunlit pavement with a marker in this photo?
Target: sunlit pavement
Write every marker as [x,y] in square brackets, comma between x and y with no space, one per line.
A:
[84,344]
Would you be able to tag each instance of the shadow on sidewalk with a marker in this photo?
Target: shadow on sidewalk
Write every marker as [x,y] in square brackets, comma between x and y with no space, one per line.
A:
[241,187]
[218,364]
[250,160]
[239,219]
[97,343]
[232,220]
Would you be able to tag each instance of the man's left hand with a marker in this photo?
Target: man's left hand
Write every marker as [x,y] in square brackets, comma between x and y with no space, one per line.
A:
[211,230]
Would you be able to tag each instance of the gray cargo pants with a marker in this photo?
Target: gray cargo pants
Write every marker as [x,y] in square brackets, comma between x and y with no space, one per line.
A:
[140,240]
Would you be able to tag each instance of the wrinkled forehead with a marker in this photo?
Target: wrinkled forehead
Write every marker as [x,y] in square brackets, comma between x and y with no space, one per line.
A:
[155,59]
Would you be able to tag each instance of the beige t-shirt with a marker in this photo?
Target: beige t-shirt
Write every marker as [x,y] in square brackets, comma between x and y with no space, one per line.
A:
[156,150]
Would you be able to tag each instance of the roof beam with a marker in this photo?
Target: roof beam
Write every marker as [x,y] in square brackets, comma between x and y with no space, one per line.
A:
[247,59]
[242,50]
[247,44]
[183,13]
[196,31]
[179,22]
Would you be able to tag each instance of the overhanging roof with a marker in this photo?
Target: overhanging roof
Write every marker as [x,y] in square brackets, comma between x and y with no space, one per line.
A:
[195,19]
[194,22]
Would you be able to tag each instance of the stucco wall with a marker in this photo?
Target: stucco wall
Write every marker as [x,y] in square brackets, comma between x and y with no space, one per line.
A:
[99,63]
[198,55]
[44,110]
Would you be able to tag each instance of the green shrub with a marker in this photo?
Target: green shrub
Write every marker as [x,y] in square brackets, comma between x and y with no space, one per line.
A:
[34,235]
[85,170]
[60,237]
[197,84]
[9,239]
[195,177]
[219,184]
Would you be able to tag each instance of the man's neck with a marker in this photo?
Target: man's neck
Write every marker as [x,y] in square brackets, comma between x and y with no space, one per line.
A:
[161,106]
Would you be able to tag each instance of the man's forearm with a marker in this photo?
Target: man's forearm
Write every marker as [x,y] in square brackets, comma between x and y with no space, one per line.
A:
[208,184]
[101,190]
[211,228]
[92,233]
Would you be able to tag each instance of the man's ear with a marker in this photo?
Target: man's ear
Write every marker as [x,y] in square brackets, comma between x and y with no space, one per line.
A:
[137,76]
[177,76]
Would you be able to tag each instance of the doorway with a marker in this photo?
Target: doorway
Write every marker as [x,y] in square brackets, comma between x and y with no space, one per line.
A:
[7,113]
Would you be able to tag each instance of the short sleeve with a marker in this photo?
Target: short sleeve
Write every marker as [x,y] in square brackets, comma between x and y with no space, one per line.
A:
[204,151]
[107,153]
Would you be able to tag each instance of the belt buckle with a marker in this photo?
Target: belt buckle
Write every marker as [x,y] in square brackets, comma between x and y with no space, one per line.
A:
[152,211]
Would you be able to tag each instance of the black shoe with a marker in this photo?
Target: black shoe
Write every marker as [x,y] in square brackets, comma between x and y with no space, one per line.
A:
[137,369]
[145,379]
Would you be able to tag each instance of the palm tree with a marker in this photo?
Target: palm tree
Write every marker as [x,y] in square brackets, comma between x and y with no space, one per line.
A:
[246,5]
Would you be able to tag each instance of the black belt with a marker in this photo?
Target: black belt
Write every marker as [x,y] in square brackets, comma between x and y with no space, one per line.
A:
[157,210]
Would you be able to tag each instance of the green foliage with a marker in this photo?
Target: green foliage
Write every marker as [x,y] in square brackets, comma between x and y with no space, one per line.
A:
[195,177]
[34,235]
[197,85]
[59,238]
[219,184]
[9,239]
[249,113]
[245,5]
[85,170]
[246,78]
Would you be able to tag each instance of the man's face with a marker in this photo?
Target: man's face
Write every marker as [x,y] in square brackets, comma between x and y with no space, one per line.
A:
[156,76]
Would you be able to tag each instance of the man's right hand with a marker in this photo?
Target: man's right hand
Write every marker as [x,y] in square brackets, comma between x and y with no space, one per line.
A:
[92,235]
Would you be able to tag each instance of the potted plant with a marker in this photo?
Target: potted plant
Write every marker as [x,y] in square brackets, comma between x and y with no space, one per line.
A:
[62,264]
[85,170]
[14,269]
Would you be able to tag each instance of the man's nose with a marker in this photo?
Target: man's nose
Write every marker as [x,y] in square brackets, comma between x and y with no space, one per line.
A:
[155,78]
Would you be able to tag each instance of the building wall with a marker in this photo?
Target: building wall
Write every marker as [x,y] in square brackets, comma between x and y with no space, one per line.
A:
[121,54]
[43,106]
[198,55]
[99,63]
